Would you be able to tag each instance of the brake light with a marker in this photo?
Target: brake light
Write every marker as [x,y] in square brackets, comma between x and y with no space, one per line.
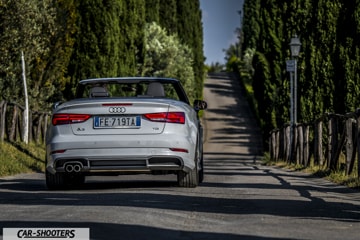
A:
[61,119]
[169,117]
[116,104]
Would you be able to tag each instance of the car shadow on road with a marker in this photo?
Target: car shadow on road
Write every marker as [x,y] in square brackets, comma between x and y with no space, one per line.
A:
[166,197]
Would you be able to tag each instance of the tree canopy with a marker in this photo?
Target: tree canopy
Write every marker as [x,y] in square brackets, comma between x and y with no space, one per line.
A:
[39,30]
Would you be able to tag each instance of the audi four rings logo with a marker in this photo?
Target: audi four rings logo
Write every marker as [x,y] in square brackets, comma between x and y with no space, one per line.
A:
[117,110]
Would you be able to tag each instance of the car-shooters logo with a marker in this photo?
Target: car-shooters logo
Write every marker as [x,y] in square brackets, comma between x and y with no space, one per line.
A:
[46,233]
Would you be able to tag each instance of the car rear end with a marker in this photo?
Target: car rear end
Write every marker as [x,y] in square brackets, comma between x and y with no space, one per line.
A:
[120,136]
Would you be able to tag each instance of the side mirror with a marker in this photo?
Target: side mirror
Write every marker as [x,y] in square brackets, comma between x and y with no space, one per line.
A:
[200,105]
[55,105]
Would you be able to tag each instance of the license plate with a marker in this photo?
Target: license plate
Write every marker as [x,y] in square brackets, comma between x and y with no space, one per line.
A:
[117,122]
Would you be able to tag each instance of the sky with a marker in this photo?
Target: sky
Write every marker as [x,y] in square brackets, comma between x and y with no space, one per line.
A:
[220,20]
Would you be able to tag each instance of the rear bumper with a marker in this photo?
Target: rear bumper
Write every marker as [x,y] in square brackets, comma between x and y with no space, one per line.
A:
[122,161]
[122,154]
[92,166]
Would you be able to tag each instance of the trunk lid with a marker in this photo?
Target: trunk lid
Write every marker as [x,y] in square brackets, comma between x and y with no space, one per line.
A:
[115,116]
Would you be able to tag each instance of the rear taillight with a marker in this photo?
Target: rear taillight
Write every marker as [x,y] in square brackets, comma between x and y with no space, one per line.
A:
[61,119]
[170,117]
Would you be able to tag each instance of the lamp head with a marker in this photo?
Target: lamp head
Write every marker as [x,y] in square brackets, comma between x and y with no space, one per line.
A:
[295,46]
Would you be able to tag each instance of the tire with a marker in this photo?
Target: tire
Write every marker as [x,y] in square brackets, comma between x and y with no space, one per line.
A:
[201,153]
[55,181]
[62,180]
[201,171]
[190,179]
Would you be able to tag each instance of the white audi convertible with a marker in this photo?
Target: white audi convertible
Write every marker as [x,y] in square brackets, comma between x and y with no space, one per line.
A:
[125,126]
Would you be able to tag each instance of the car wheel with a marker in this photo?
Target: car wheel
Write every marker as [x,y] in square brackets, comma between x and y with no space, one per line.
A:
[55,181]
[188,179]
[63,180]
[201,171]
[191,178]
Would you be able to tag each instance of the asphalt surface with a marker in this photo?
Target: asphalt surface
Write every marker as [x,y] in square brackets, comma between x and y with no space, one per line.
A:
[239,199]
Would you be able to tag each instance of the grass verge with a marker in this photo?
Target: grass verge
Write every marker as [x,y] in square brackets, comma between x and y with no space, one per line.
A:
[19,157]
[338,177]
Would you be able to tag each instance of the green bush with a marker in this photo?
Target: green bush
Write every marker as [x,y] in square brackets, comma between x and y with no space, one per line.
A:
[166,56]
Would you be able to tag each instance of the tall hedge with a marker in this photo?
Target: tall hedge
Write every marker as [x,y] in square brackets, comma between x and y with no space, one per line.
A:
[108,41]
[328,65]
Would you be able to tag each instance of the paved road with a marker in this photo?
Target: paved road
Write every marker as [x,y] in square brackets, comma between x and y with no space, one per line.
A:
[239,199]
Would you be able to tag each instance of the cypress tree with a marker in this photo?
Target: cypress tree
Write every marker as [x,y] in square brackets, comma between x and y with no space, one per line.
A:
[132,23]
[250,27]
[109,40]
[167,15]
[347,60]
[189,30]
[152,11]
[95,51]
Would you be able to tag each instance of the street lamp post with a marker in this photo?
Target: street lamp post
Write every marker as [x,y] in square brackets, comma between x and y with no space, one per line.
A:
[295,46]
